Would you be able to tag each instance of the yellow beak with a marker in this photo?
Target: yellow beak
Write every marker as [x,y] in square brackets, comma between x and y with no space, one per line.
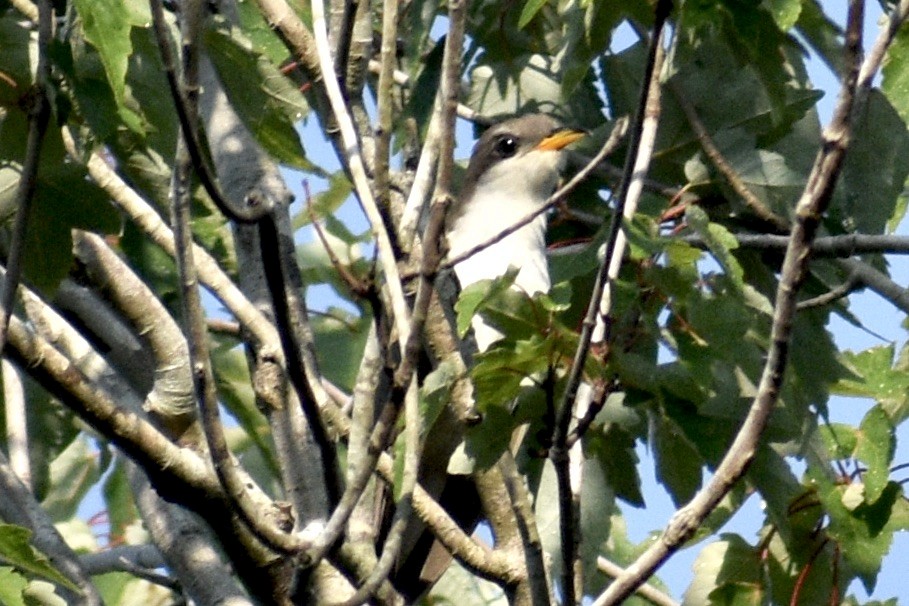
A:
[560,139]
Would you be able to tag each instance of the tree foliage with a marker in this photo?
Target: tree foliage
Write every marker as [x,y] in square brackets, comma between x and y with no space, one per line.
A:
[278,444]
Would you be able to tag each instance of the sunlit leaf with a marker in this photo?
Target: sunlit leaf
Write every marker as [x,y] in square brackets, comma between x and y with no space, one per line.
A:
[107,26]
[16,549]
[72,474]
[726,572]
[875,447]
[266,101]
[895,83]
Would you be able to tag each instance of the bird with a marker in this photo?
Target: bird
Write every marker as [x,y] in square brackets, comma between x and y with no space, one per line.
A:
[515,167]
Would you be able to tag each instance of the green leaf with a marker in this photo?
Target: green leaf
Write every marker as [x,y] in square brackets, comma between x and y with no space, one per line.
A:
[326,202]
[16,550]
[436,391]
[864,532]
[785,12]
[475,295]
[118,500]
[267,102]
[12,585]
[878,379]
[485,442]
[825,36]
[597,496]
[614,448]
[895,73]
[840,439]
[16,59]
[530,83]
[546,511]
[718,239]
[727,572]
[531,8]
[875,447]
[72,474]
[64,198]
[339,339]
[106,26]
[875,171]
[499,372]
[678,463]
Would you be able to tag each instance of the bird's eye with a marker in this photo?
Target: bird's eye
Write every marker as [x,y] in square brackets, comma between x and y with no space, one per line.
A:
[506,146]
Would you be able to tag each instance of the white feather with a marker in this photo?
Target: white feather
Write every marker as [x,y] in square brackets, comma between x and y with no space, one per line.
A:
[506,193]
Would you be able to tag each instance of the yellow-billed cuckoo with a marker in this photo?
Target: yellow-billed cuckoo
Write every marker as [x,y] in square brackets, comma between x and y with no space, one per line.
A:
[515,167]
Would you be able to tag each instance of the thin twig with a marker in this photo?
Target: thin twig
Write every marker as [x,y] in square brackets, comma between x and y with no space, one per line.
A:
[635,167]
[39,112]
[646,590]
[356,285]
[354,160]
[225,467]
[851,284]
[808,212]
[877,281]
[290,319]
[437,158]
[757,206]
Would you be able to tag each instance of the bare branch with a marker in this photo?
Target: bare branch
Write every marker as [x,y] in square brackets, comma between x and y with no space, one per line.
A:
[354,162]
[755,204]
[172,396]
[14,409]
[846,245]
[187,547]
[27,8]
[646,590]
[292,323]
[879,282]
[214,278]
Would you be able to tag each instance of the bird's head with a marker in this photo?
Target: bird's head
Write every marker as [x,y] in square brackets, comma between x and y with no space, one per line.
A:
[518,160]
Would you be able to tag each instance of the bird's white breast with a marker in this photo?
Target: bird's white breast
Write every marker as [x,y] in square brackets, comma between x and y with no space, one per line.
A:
[504,195]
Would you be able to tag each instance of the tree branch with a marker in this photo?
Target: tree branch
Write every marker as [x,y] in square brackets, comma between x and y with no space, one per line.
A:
[713,152]
[172,395]
[261,331]
[16,422]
